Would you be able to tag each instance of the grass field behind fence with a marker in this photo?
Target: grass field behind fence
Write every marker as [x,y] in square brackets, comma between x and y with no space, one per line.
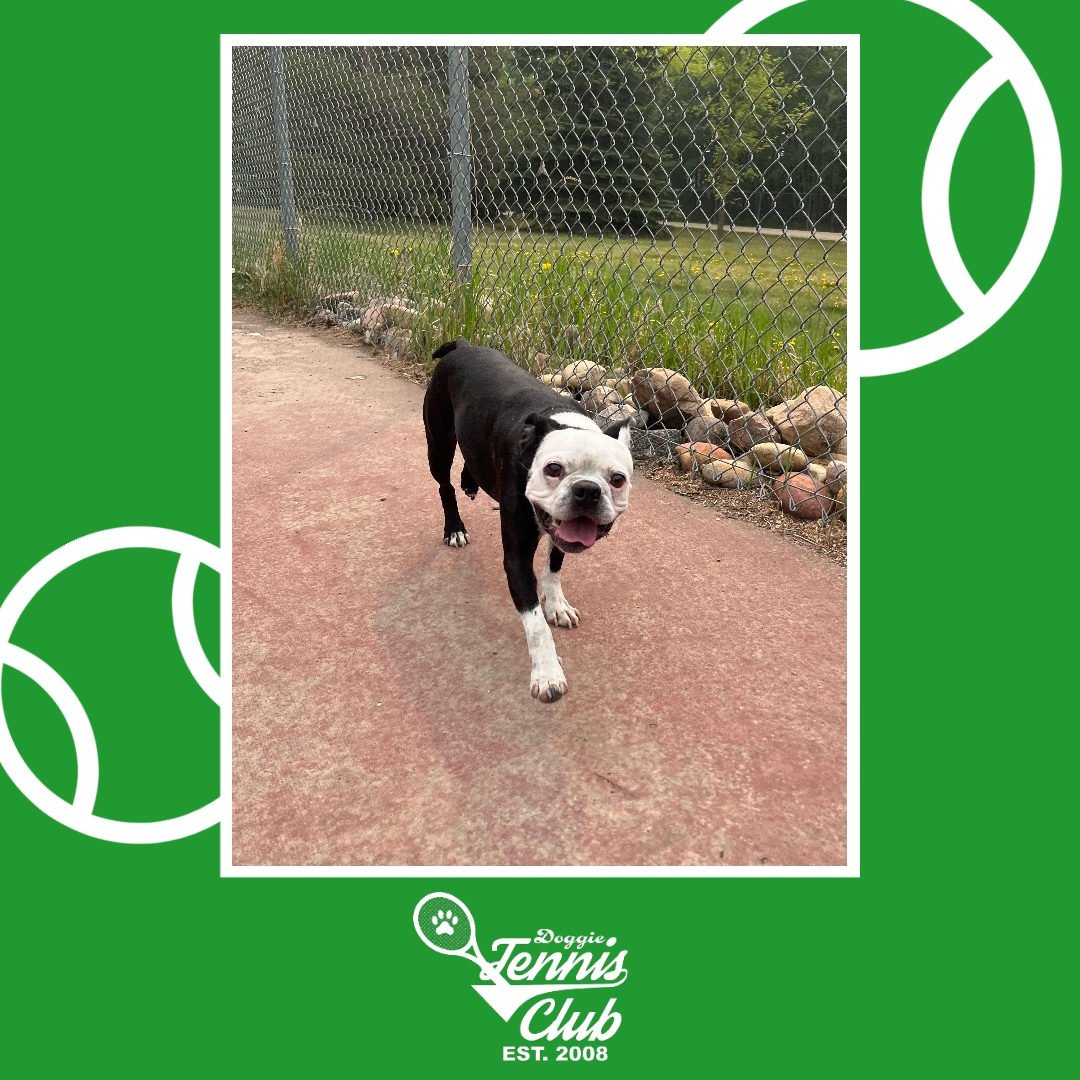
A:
[746,315]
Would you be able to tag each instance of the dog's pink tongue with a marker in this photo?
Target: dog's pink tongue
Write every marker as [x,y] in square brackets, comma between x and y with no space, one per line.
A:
[580,530]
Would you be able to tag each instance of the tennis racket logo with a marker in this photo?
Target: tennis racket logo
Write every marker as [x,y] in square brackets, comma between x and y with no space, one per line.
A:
[446,925]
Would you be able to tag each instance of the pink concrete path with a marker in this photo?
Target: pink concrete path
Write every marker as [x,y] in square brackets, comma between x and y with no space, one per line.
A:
[381,708]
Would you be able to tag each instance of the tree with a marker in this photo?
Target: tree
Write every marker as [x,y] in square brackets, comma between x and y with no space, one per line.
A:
[810,178]
[730,109]
[604,159]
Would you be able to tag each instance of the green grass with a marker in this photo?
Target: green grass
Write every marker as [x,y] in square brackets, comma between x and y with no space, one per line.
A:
[748,316]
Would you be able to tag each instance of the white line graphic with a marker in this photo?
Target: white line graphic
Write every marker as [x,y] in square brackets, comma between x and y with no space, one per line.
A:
[1008,63]
[78,814]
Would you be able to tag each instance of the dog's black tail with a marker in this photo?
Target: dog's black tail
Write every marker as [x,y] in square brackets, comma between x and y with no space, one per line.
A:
[447,347]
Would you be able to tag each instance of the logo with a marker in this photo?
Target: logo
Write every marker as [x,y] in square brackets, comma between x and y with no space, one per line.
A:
[564,971]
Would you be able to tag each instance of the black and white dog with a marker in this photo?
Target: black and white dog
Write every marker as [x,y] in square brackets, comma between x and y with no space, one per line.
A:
[547,465]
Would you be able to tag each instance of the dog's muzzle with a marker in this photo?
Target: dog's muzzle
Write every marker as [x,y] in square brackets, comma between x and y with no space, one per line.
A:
[574,534]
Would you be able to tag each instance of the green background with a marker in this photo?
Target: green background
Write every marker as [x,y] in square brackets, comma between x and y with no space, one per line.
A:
[141,961]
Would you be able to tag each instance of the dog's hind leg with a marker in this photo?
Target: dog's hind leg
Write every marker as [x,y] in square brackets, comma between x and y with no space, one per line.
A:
[442,442]
[556,609]
[468,484]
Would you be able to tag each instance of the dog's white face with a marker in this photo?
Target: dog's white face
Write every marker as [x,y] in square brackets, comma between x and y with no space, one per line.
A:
[579,481]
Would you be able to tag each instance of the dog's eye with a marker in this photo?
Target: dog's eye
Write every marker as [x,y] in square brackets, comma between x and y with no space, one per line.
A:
[553,469]
[617,480]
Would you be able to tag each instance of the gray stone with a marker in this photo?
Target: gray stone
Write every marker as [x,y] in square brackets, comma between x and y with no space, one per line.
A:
[703,428]
[666,396]
[601,397]
[750,429]
[614,414]
[583,375]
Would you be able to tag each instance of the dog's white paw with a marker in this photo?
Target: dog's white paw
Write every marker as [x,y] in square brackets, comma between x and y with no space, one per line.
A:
[457,539]
[548,683]
[558,612]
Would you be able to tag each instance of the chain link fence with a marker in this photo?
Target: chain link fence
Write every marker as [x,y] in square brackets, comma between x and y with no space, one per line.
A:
[659,231]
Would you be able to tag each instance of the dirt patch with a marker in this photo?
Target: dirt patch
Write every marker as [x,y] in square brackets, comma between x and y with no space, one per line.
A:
[825,538]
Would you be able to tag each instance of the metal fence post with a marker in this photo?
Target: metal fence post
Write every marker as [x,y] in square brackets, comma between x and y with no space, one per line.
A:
[460,160]
[286,196]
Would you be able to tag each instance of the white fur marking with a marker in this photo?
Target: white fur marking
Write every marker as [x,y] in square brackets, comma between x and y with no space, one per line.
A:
[546,681]
[458,539]
[573,419]
[557,610]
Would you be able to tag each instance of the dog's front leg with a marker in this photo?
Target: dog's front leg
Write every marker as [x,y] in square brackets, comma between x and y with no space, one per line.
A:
[557,610]
[520,537]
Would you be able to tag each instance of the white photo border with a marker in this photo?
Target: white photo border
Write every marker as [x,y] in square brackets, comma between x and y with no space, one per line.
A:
[852,868]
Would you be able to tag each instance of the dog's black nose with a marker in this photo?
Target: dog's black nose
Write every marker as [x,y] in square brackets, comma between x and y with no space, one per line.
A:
[586,494]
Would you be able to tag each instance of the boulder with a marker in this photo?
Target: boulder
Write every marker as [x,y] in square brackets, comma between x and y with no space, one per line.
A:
[815,421]
[728,474]
[334,300]
[704,428]
[615,414]
[400,314]
[841,501]
[583,375]
[666,396]
[373,317]
[698,453]
[836,475]
[396,341]
[727,408]
[600,398]
[774,457]
[800,494]
[749,429]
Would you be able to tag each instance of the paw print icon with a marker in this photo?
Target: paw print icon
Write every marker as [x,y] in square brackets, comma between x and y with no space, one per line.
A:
[444,922]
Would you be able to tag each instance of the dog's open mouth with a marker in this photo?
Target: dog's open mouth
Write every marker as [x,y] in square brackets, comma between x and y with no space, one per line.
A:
[573,534]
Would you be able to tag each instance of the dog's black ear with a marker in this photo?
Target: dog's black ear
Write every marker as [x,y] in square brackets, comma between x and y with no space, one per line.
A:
[619,430]
[532,432]
[447,347]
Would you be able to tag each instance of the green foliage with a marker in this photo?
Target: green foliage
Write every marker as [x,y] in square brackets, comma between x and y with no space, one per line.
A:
[728,106]
[752,317]
[273,281]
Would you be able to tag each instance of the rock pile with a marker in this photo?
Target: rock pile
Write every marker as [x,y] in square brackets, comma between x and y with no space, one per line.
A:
[385,321]
[796,452]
